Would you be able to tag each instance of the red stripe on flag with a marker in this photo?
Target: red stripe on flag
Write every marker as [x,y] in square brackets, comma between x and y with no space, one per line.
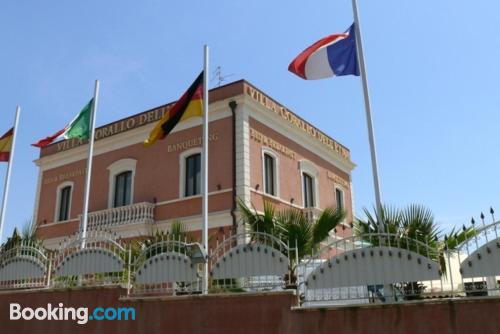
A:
[298,65]
[4,156]
[48,140]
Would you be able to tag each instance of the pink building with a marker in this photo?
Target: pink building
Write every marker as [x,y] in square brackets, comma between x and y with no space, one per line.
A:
[258,150]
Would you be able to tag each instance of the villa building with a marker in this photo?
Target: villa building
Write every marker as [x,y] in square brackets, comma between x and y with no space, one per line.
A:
[259,150]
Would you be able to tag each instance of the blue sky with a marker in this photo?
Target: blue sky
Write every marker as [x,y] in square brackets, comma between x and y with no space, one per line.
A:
[432,67]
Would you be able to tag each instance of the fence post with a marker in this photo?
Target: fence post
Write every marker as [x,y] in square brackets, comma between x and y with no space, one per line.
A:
[49,270]
[297,272]
[129,269]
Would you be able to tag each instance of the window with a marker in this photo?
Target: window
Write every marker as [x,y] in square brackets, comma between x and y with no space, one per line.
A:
[339,198]
[308,190]
[309,174]
[64,203]
[121,182]
[269,174]
[123,189]
[193,175]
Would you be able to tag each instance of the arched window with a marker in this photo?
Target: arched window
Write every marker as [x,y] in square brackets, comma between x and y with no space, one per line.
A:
[121,183]
[63,202]
[192,184]
[123,189]
[269,175]
[339,198]
[308,190]
[309,175]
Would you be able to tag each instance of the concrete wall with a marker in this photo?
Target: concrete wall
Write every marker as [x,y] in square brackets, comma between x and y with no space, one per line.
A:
[259,313]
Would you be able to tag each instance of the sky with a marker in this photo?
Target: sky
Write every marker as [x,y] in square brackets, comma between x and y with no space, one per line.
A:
[432,69]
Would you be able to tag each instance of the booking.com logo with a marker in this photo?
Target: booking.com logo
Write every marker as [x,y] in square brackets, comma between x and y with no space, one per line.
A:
[81,314]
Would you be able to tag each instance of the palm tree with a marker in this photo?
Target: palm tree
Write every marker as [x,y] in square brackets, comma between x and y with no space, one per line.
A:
[26,236]
[410,228]
[177,232]
[292,226]
[405,226]
[12,241]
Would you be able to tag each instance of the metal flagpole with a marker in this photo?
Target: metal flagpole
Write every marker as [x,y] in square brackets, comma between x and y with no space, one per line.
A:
[205,167]
[9,172]
[89,164]
[369,121]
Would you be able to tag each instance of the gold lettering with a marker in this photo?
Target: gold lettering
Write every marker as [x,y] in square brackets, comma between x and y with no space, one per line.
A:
[193,142]
[130,123]
[266,141]
[64,176]
[296,121]
[337,179]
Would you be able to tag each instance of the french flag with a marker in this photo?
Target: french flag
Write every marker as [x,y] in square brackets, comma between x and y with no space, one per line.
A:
[334,55]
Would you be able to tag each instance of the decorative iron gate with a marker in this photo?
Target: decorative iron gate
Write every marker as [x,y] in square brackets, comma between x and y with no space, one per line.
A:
[367,268]
[251,261]
[24,266]
[95,259]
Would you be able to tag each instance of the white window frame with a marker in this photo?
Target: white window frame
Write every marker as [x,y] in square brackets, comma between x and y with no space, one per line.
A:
[307,167]
[275,156]
[182,170]
[342,191]
[116,168]
[58,199]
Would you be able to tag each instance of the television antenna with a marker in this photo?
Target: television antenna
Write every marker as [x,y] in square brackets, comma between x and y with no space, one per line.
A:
[219,77]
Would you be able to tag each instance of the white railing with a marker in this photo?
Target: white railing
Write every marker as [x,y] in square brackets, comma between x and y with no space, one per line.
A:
[312,213]
[129,214]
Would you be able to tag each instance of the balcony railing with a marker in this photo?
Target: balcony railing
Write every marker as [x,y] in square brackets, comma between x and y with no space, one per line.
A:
[129,214]
[312,213]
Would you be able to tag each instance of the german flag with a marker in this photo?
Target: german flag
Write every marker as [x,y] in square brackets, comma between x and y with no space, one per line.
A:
[189,105]
[6,145]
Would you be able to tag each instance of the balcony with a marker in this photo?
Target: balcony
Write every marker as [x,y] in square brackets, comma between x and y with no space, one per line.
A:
[129,214]
[311,213]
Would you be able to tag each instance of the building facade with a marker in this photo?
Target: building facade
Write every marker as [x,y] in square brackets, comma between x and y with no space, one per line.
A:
[258,150]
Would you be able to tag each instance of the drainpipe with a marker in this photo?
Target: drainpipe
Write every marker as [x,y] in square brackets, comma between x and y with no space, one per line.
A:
[232,104]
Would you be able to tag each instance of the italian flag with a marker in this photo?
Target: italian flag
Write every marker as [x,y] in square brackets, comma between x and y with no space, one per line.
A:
[6,145]
[77,128]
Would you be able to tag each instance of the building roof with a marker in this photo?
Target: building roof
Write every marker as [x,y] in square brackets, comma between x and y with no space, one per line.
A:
[227,91]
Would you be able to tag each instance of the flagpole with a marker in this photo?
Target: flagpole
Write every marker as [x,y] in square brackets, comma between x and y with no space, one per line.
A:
[86,197]
[205,167]
[9,172]
[369,121]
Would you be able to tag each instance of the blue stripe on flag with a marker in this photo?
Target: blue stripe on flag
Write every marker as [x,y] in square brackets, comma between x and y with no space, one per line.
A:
[342,55]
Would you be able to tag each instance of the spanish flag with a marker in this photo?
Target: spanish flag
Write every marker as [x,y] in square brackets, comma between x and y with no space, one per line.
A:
[6,145]
[189,105]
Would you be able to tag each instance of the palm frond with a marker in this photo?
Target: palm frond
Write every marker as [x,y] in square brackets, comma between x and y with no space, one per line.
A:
[248,215]
[257,222]
[178,230]
[325,223]
[295,229]
[455,237]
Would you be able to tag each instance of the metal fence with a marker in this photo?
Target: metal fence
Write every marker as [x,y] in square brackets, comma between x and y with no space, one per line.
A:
[478,261]
[365,268]
[24,266]
[96,258]
[368,268]
[166,265]
[251,261]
